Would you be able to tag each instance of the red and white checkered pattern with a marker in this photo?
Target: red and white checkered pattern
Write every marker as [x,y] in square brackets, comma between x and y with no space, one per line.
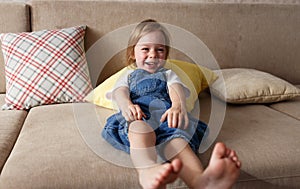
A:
[45,67]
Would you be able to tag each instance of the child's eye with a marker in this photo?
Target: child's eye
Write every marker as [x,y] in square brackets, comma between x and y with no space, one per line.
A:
[145,49]
[161,50]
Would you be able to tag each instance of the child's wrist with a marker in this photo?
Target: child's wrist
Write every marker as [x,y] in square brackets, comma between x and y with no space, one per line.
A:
[125,105]
[179,106]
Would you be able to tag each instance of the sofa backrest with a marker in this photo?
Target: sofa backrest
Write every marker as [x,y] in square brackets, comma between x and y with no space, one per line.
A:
[14,17]
[261,36]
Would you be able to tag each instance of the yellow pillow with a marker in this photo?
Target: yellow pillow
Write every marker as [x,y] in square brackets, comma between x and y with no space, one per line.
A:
[195,77]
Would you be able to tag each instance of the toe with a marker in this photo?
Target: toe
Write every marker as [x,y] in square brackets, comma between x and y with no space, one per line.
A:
[219,151]
[177,165]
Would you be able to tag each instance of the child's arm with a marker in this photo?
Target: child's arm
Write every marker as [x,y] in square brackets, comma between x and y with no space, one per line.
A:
[129,110]
[177,114]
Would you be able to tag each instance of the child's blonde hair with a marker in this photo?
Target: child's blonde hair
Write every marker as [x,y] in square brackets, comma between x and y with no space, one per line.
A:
[142,29]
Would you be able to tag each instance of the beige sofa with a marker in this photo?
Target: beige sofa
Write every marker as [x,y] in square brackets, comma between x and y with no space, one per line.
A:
[55,146]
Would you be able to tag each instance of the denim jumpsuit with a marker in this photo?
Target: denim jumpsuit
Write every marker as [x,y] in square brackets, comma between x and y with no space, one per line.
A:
[150,92]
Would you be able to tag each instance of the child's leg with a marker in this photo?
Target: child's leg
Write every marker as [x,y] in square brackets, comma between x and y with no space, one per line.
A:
[142,144]
[143,154]
[221,172]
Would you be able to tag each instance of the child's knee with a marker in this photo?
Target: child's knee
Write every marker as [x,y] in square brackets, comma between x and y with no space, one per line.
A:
[140,127]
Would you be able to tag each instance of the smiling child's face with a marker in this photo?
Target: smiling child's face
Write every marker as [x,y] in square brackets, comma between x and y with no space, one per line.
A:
[150,52]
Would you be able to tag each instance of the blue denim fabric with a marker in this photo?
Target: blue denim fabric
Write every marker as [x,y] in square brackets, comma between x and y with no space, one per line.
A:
[150,92]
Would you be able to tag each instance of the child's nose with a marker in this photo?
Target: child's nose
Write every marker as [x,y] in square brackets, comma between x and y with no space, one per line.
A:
[152,53]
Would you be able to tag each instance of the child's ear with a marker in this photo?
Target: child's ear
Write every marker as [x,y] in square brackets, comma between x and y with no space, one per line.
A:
[132,56]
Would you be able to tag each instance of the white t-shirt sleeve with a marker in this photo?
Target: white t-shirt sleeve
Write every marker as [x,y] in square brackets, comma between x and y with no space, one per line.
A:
[121,82]
[172,78]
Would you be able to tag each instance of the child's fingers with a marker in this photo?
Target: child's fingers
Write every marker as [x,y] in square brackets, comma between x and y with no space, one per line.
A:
[143,115]
[170,120]
[163,117]
[176,120]
[180,121]
[132,113]
[186,121]
[127,115]
[140,115]
[137,112]
[173,119]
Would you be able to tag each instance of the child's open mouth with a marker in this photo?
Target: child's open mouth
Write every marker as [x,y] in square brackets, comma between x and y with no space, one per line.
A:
[151,63]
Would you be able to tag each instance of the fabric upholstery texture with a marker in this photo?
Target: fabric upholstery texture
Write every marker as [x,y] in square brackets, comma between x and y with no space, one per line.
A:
[255,143]
[51,151]
[14,17]
[49,154]
[290,107]
[45,67]
[242,86]
[235,34]
[272,133]
[10,126]
[266,130]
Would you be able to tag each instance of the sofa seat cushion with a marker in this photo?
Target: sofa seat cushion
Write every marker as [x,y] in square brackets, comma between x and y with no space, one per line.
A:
[50,153]
[267,143]
[290,107]
[10,126]
[56,149]
[96,117]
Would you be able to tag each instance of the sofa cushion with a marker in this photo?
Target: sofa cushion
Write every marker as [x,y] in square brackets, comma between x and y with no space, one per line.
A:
[250,130]
[45,67]
[242,86]
[256,35]
[10,126]
[291,107]
[50,153]
[63,152]
[14,17]
[267,143]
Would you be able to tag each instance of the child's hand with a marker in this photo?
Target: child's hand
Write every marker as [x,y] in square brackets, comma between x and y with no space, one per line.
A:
[133,112]
[177,117]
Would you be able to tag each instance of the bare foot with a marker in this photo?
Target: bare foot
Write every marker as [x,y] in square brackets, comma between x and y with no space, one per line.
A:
[222,171]
[159,176]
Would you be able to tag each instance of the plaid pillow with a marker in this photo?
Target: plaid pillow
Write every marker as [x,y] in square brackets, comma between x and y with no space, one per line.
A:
[45,67]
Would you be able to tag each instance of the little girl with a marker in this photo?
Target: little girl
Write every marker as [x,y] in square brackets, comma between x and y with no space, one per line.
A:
[153,120]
